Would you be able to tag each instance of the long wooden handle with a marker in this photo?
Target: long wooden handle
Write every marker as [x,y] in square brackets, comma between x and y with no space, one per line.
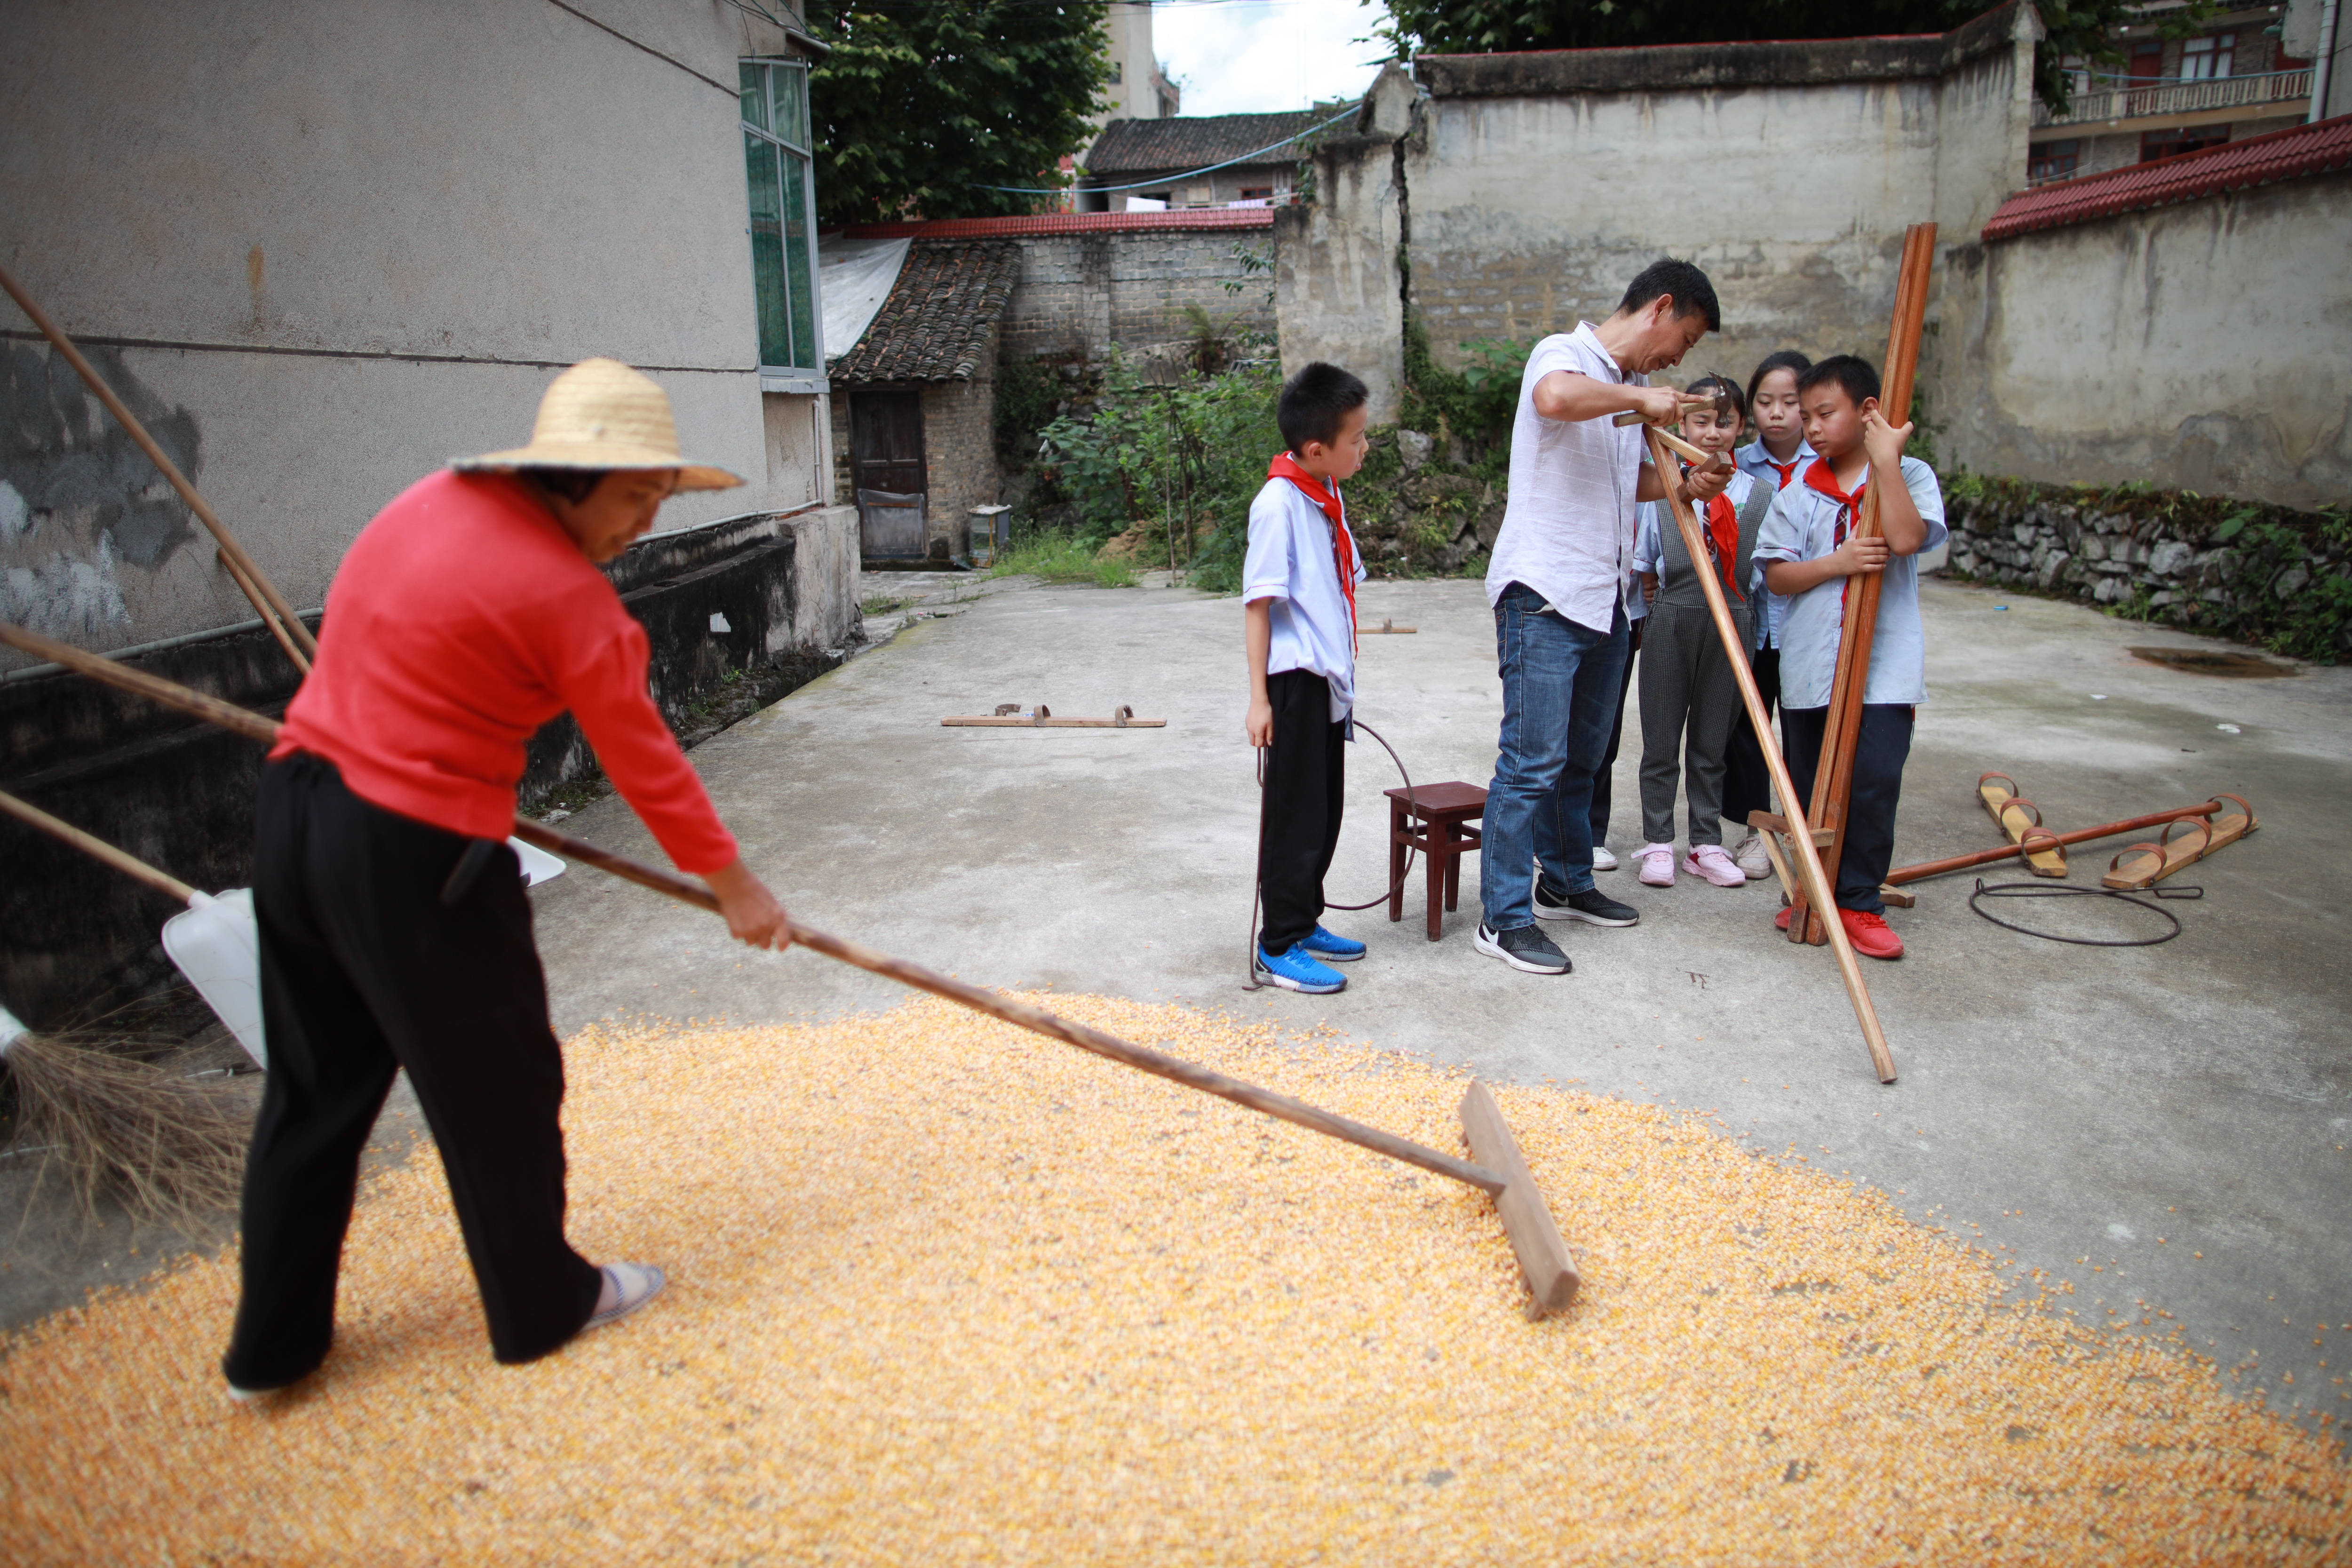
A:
[1698,454]
[1924,868]
[90,844]
[686,889]
[1809,859]
[272,605]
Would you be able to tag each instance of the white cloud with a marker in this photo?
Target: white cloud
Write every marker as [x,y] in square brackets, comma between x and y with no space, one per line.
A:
[1258,56]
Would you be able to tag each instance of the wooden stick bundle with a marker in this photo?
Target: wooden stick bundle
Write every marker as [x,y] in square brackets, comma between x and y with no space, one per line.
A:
[267,602]
[1833,778]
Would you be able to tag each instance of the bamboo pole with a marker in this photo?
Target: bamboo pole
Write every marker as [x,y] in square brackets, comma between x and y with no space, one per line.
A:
[1809,858]
[275,612]
[690,891]
[1833,777]
[90,844]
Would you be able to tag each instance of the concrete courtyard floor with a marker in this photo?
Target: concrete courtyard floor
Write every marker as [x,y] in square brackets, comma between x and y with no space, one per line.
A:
[2164,1126]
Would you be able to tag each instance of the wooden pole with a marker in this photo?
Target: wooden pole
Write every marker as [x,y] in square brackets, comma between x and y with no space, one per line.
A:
[1833,778]
[690,891]
[1809,858]
[274,610]
[1926,868]
[90,844]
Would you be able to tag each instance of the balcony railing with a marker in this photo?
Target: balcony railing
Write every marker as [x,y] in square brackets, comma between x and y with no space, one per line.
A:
[2114,97]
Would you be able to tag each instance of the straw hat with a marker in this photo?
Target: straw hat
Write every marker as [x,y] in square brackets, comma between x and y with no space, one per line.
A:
[600,414]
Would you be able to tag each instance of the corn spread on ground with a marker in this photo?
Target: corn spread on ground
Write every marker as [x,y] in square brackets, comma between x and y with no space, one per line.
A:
[944,1292]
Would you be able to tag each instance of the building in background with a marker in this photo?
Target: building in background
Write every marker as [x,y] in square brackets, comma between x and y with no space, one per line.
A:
[1138,86]
[2235,80]
[1163,157]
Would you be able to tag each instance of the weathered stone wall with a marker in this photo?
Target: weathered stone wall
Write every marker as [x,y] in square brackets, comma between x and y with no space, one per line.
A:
[1080,293]
[2205,346]
[1525,191]
[329,246]
[2260,574]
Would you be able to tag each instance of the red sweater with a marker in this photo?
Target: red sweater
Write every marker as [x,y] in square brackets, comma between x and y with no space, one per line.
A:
[462,619]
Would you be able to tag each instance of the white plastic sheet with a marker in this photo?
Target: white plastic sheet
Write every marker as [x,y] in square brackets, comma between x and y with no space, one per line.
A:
[852,278]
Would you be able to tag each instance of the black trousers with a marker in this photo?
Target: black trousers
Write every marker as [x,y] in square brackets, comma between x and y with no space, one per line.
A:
[364,972]
[1747,781]
[1880,750]
[1305,790]
[1616,731]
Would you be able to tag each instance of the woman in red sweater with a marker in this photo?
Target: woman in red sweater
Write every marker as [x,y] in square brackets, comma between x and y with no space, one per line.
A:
[394,933]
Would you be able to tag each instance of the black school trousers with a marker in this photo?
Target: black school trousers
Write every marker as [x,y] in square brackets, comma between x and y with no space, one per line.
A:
[1880,749]
[365,971]
[1747,781]
[1305,790]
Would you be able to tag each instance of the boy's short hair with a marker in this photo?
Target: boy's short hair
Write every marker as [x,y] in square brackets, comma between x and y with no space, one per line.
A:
[1314,402]
[1723,389]
[1786,358]
[1693,294]
[1851,373]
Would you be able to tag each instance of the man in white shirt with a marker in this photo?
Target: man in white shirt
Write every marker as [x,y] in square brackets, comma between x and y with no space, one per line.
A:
[1558,585]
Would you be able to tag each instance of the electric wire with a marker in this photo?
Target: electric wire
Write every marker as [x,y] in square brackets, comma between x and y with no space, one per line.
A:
[2048,890]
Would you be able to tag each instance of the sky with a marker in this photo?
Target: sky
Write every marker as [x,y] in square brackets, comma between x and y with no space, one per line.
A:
[1255,56]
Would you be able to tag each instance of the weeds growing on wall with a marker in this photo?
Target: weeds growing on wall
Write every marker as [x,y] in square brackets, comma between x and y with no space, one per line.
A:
[1059,558]
[1475,405]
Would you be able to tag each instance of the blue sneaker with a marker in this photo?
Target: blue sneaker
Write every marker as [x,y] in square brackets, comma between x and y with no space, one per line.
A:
[1295,971]
[1332,948]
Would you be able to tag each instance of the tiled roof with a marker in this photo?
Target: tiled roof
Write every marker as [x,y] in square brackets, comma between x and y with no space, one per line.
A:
[1064,222]
[934,326]
[2257,161]
[1193,141]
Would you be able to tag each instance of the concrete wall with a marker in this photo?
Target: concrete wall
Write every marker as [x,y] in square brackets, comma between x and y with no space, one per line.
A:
[1532,188]
[332,245]
[2202,346]
[1080,293]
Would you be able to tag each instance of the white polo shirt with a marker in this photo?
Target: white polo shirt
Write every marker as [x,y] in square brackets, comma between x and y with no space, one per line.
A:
[1291,561]
[1567,526]
[1802,526]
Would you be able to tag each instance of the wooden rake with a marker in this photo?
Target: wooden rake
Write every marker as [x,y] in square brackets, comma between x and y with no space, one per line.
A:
[1501,1169]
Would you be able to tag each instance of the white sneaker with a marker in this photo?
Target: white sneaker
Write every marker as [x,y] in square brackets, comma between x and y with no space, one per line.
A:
[1656,864]
[627,1287]
[1709,861]
[1749,856]
[1602,860]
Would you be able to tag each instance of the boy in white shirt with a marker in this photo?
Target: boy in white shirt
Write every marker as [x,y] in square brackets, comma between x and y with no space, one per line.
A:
[1812,554]
[1298,594]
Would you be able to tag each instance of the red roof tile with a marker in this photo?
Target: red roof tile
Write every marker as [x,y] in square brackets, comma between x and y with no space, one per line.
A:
[1064,222]
[2257,161]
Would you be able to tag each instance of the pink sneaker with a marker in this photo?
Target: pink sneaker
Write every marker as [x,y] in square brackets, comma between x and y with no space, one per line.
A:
[1709,860]
[1655,863]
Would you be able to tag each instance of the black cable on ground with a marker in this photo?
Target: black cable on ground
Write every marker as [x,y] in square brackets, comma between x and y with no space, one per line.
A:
[1412,806]
[2052,891]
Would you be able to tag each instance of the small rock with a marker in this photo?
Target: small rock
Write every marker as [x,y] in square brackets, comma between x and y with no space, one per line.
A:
[1414,448]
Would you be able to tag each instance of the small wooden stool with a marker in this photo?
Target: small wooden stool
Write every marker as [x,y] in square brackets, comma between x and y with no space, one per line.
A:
[1447,810]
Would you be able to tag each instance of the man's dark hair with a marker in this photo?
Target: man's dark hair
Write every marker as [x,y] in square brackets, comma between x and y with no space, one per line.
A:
[574,485]
[1693,294]
[1723,389]
[1851,371]
[1314,402]
[1787,358]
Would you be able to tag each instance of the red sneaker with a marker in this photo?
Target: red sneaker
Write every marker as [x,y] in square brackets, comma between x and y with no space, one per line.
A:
[1780,920]
[1870,935]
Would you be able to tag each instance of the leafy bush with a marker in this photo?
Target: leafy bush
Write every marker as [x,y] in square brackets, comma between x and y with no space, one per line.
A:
[1476,403]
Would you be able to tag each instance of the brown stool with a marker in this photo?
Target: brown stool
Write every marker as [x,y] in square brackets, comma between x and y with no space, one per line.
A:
[1446,810]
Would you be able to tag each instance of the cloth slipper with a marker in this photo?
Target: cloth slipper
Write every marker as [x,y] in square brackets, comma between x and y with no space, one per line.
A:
[627,1287]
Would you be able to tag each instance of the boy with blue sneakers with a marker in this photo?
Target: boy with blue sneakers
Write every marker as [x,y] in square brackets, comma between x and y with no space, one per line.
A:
[1298,595]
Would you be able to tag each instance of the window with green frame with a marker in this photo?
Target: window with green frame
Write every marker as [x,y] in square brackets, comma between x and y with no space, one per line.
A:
[783,223]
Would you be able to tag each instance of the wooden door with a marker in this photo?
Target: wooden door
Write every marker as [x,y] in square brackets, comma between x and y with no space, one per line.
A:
[886,454]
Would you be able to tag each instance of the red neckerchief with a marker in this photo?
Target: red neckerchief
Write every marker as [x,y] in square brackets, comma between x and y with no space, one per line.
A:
[1723,540]
[1819,478]
[1343,549]
[1787,469]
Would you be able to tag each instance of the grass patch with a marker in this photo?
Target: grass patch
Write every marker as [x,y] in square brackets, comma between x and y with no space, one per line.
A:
[879,604]
[1059,558]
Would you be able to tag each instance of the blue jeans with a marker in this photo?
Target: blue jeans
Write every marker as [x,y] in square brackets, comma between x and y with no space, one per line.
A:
[1560,686]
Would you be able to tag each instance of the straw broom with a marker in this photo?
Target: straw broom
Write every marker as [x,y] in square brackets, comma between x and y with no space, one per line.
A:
[169,1148]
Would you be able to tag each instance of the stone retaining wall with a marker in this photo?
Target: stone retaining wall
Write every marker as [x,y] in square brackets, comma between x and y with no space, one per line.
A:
[2260,574]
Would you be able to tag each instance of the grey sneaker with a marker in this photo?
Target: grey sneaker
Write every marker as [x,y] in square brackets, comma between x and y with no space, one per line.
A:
[1524,948]
[1749,856]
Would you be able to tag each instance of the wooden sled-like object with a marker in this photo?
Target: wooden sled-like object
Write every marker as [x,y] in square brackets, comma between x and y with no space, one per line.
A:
[2139,866]
[1008,716]
[2020,817]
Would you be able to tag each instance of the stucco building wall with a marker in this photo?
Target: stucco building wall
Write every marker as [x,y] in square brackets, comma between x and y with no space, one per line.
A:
[2198,346]
[1080,293]
[333,245]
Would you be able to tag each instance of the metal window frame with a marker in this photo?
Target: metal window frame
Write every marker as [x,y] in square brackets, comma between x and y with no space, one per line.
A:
[806,380]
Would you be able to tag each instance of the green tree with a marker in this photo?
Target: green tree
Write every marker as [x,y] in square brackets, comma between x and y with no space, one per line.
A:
[923,103]
[2082,31]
